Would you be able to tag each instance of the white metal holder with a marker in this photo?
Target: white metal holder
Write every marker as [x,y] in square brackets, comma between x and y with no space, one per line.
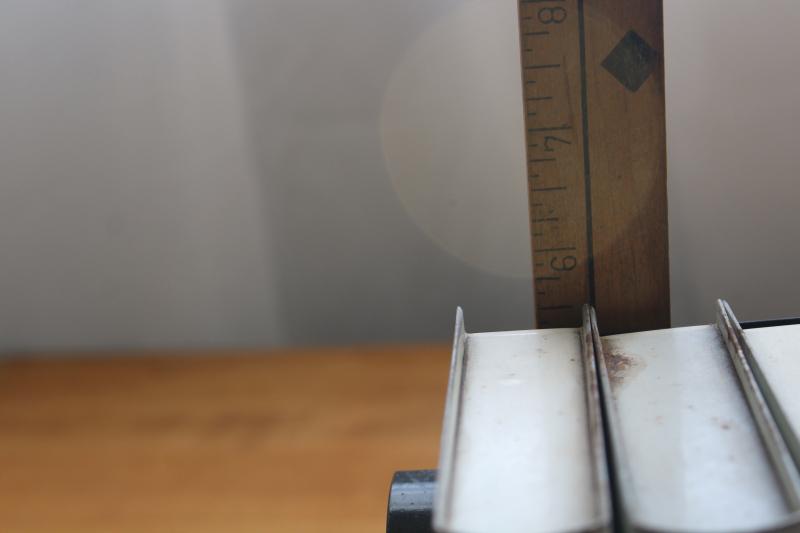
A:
[690,426]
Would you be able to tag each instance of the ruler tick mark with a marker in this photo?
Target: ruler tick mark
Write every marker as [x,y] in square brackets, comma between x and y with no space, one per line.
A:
[550,128]
[562,249]
[547,65]
[550,189]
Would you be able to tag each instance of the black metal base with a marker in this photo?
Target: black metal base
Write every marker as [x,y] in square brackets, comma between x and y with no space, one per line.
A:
[411,502]
[753,324]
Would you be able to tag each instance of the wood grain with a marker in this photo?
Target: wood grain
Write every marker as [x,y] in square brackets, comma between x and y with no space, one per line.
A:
[302,441]
[596,162]
[629,174]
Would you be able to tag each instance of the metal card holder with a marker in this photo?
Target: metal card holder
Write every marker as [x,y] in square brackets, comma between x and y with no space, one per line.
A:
[693,440]
[681,430]
[522,442]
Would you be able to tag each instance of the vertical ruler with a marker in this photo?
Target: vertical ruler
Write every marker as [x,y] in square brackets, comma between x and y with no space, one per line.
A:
[593,88]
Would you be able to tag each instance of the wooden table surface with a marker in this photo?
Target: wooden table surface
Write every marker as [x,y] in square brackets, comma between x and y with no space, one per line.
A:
[292,441]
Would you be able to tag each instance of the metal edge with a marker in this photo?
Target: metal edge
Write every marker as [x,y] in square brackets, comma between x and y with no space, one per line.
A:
[784,426]
[783,463]
[756,324]
[789,435]
[594,415]
[623,498]
[452,413]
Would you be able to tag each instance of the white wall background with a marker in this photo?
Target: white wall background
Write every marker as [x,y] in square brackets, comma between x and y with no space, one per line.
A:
[234,173]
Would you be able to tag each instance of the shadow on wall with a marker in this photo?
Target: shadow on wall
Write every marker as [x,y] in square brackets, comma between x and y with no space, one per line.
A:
[359,254]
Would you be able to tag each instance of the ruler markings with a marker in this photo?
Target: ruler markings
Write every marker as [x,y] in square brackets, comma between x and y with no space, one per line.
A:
[544,60]
[549,128]
[561,249]
[550,189]
[544,65]
[609,195]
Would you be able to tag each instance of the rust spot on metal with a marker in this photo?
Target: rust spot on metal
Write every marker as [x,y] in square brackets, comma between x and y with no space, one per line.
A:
[723,424]
[619,364]
[587,350]
[594,416]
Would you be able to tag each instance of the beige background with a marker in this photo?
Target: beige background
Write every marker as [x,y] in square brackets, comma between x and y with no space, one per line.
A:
[215,173]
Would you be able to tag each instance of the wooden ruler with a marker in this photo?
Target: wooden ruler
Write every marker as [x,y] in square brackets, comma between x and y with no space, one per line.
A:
[593,84]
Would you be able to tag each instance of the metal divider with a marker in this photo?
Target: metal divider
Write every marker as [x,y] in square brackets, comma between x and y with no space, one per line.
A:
[763,404]
[627,386]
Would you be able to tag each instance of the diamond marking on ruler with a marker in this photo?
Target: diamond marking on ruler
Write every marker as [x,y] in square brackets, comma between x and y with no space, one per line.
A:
[632,61]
